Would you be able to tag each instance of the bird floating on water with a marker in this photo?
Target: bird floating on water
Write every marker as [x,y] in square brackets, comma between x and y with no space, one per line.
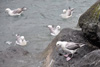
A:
[67,13]
[69,47]
[54,30]
[21,40]
[15,12]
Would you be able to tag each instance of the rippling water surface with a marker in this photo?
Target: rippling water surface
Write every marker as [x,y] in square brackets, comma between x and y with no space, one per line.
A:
[33,23]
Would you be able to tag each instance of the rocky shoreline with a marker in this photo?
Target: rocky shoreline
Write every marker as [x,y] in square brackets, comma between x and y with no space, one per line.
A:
[86,56]
[54,57]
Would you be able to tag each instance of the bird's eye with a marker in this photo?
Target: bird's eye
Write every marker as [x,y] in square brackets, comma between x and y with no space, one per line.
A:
[57,44]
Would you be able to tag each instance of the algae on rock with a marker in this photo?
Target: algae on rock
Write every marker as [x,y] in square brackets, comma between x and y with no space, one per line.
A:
[90,23]
[91,15]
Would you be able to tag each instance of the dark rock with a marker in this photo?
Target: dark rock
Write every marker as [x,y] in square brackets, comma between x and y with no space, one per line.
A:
[54,56]
[86,56]
[90,24]
[92,59]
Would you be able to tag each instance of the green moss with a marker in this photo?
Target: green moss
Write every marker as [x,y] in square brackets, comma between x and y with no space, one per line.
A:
[91,15]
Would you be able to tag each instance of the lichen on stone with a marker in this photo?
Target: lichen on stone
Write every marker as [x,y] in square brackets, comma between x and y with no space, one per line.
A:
[90,23]
[91,15]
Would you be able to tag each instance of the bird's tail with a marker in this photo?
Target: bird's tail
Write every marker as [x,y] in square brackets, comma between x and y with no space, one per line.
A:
[81,45]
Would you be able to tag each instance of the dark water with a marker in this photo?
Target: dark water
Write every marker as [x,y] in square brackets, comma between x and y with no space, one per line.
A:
[33,23]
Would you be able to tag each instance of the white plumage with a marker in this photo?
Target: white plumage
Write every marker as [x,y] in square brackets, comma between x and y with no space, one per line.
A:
[69,47]
[54,30]
[21,40]
[15,12]
[67,13]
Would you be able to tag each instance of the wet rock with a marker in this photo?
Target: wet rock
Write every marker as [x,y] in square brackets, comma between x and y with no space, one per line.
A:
[90,24]
[54,56]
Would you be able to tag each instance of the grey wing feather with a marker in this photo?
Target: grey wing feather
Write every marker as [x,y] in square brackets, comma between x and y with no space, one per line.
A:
[17,11]
[73,46]
[69,13]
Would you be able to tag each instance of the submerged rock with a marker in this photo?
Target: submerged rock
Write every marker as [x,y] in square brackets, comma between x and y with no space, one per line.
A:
[90,24]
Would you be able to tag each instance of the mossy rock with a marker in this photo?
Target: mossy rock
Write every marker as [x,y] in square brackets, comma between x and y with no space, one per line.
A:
[91,15]
[89,22]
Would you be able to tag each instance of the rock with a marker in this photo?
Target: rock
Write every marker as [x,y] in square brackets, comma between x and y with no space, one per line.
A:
[92,59]
[90,24]
[86,56]
[54,56]
[91,15]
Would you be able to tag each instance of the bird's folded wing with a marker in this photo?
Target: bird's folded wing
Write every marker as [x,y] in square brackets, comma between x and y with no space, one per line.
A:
[69,13]
[72,46]
[17,11]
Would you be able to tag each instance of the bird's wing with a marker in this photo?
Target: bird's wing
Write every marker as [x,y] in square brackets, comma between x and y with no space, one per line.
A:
[72,46]
[69,13]
[19,10]
[72,9]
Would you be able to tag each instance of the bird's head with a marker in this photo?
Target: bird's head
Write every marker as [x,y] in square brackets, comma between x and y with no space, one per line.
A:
[61,43]
[64,10]
[7,9]
[58,44]
[22,37]
[23,8]
[58,27]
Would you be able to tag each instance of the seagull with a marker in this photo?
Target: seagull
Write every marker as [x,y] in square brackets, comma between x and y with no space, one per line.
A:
[54,31]
[69,47]
[21,40]
[67,13]
[15,12]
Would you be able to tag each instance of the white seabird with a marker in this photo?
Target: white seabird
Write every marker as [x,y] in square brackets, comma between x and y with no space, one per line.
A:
[21,40]
[69,47]
[15,12]
[67,13]
[54,30]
